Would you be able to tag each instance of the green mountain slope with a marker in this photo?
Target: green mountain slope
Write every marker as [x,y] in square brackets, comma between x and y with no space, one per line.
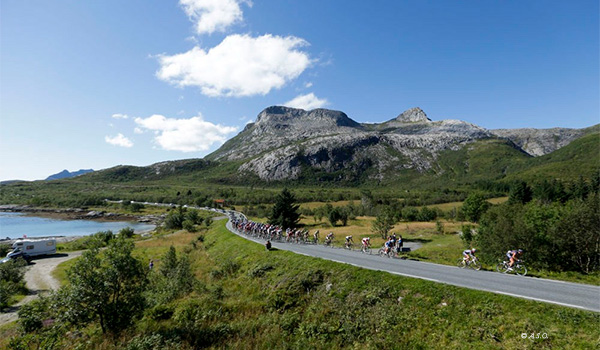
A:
[580,157]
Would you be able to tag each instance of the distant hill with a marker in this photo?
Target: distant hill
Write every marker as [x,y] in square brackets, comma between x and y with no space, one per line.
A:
[67,174]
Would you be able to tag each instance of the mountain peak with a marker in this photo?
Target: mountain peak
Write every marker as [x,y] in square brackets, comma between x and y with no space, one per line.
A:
[320,117]
[413,115]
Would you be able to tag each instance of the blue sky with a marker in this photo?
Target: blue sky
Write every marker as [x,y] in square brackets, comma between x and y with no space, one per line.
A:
[94,84]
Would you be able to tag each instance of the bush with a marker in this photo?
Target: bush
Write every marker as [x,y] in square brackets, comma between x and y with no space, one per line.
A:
[104,236]
[11,280]
[175,278]
[126,232]
[4,249]
[189,226]
[410,213]
[474,206]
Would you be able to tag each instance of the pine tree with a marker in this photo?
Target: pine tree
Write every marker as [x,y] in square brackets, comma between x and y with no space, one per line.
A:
[285,212]
[520,192]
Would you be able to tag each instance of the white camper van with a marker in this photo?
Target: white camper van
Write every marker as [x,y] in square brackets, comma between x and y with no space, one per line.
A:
[34,247]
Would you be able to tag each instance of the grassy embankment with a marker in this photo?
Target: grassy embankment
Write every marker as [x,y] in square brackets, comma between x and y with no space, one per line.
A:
[251,298]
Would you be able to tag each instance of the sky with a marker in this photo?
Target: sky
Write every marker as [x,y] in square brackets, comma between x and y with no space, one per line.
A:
[95,84]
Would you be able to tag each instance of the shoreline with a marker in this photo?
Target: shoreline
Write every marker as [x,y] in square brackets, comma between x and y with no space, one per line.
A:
[74,214]
[80,214]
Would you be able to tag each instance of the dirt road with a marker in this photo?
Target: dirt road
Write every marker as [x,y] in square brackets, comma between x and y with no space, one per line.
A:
[39,280]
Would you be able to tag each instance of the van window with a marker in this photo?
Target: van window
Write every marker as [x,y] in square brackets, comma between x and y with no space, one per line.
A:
[50,243]
[20,244]
[29,247]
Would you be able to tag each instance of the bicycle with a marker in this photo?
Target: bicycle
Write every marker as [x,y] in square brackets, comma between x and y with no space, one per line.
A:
[382,252]
[518,267]
[328,243]
[473,263]
[348,245]
[365,249]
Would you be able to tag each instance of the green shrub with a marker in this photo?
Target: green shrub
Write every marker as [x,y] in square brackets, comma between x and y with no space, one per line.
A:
[126,232]
[11,280]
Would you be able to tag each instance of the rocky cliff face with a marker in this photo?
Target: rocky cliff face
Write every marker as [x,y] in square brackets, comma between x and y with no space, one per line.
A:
[538,142]
[285,142]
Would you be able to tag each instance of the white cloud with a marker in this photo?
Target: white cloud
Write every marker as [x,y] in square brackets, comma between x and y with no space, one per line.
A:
[308,85]
[120,116]
[307,102]
[138,131]
[240,65]
[213,15]
[185,135]
[119,140]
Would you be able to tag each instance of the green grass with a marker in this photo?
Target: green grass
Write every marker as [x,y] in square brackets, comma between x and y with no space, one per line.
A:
[250,298]
[279,299]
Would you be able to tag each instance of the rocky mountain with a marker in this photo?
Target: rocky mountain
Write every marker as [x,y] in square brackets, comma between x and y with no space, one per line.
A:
[287,143]
[539,142]
[67,174]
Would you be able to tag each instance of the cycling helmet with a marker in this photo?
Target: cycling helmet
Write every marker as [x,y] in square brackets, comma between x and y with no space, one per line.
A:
[473,250]
[520,251]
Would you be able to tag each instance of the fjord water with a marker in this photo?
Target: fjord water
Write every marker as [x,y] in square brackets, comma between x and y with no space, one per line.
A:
[15,225]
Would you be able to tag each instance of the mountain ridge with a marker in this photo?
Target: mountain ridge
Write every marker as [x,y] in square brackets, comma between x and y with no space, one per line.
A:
[285,140]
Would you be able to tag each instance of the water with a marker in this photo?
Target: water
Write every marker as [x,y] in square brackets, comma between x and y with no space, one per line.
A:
[15,225]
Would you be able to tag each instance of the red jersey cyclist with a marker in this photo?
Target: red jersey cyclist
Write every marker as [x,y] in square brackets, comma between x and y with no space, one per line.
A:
[366,242]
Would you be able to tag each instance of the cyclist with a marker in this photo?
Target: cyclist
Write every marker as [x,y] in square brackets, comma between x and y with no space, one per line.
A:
[389,244]
[513,256]
[469,255]
[316,236]
[366,242]
[349,241]
[329,238]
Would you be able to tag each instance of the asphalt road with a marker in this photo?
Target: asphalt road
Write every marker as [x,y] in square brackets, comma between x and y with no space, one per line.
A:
[581,296]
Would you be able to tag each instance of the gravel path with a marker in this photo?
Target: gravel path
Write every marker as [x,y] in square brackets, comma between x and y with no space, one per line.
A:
[39,280]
